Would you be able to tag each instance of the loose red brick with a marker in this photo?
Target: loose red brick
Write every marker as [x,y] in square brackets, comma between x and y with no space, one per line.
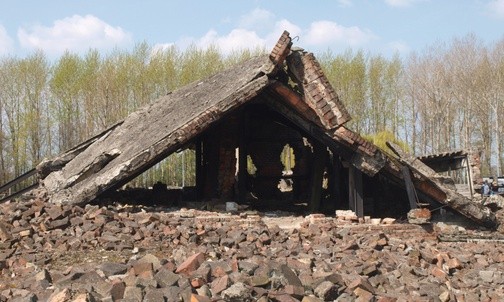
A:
[191,264]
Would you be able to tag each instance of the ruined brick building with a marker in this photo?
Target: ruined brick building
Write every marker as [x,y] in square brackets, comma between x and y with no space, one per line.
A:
[250,113]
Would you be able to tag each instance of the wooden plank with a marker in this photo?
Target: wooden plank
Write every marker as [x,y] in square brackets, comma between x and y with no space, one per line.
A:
[20,192]
[17,180]
[410,188]
[199,169]
[320,157]
[355,191]
[242,158]
[351,188]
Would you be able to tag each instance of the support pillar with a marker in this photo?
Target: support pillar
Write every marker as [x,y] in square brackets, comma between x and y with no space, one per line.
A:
[242,158]
[337,182]
[410,188]
[199,169]
[320,156]
[211,165]
[356,193]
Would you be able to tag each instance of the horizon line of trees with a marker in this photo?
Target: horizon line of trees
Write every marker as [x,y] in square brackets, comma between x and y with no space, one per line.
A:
[449,97]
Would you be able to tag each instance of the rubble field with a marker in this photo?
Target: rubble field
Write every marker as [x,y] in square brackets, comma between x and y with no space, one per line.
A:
[52,252]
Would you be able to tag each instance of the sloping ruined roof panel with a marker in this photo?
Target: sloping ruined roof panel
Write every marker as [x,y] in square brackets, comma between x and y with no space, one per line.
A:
[433,184]
[443,156]
[160,128]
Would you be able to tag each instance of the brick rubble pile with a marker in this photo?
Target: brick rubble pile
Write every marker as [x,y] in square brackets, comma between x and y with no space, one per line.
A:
[109,253]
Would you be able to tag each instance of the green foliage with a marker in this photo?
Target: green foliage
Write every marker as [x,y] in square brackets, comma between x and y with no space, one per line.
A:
[47,108]
[251,168]
[347,73]
[381,138]
[288,158]
[449,97]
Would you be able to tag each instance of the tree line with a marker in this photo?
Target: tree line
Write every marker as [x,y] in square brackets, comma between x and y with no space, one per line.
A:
[448,97]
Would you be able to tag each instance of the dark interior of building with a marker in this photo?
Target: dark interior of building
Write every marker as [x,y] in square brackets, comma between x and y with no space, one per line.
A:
[284,168]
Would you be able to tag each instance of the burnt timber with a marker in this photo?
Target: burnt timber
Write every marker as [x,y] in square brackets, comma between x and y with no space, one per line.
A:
[256,107]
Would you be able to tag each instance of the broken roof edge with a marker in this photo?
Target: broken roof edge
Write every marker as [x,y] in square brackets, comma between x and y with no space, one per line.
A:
[442,155]
[443,194]
[317,91]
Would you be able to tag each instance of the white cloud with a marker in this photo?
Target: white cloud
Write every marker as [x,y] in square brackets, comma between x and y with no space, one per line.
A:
[257,19]
[400,3]
[162,47]
[327,33]
[6,43]
[76,33]
[278,29]
[496,8]
[235,40]
[318,36]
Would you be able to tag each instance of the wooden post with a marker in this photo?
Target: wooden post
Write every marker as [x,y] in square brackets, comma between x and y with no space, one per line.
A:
[356,193]
[469,175]
[242,158]
[320,155]
[410,188]
[199,170]
[337,181]
[351,188]
[211,160]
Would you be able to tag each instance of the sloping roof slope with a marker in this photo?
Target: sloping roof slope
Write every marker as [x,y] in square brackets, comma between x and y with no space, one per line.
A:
[159,129]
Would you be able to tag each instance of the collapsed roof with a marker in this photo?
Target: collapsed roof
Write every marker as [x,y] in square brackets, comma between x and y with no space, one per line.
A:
[290,82]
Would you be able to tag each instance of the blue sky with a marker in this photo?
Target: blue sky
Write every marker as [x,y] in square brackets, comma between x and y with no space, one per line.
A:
[377,26]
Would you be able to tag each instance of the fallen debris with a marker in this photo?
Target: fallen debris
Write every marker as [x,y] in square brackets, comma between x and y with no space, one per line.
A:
[419,216]
[152,253]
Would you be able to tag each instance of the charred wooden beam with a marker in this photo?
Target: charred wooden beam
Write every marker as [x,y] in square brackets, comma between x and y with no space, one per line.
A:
[305,126]
[320,157]
[199,168]
[295,101]
[19,193]
[17,180]
[355,191]
[410,187]
[242,158]
[337,182]
[344,142]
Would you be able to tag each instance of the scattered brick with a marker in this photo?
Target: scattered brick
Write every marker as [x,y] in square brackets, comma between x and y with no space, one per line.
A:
[220,255]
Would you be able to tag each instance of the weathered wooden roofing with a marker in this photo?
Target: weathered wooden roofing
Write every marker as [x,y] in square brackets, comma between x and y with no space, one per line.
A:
[160,129]
[173,120]
[443,156]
